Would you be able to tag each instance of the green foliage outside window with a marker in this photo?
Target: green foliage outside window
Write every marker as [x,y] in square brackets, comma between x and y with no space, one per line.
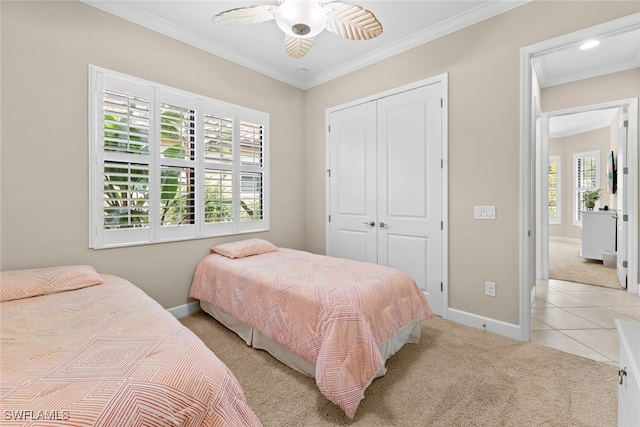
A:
[126,185]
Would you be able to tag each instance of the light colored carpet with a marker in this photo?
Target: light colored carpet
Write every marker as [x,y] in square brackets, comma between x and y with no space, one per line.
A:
[455,376]
[565,264]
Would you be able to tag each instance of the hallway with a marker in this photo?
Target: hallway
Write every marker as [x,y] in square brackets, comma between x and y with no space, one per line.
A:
[579,319]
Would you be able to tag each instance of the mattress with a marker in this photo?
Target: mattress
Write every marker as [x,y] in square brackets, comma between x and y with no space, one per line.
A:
[341,318]
[109,355]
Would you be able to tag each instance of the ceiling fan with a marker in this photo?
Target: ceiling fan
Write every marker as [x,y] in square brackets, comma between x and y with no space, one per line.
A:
[302,20]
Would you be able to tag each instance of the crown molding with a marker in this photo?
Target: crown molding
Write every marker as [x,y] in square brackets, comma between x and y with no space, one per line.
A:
[480,13]
[142,18]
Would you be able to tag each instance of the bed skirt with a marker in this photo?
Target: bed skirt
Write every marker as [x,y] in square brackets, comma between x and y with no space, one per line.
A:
[256,339]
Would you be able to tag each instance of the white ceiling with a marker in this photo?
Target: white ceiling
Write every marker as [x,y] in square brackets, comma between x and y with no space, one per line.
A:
[406,24]
[616,52]
[571,124]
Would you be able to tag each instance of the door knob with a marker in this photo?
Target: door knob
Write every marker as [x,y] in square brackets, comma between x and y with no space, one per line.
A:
[370,224]
[383,225]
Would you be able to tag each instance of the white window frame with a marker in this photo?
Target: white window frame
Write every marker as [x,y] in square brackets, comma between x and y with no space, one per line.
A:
[577,221]
[99,237]
[558,189]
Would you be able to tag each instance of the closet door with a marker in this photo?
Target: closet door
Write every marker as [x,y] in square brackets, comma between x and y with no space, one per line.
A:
[385,185]
[352,184]
[410,186]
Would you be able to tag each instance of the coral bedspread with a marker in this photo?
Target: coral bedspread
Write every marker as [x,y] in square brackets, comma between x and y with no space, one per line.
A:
[333,312]
[108,355]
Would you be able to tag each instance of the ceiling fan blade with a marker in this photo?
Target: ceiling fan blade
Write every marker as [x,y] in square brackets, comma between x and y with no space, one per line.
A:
[352,22]
[246,15]
[297,47]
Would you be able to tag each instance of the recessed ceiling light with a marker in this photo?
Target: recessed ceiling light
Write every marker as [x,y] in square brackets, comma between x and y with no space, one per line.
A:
[302,71]
[589,44]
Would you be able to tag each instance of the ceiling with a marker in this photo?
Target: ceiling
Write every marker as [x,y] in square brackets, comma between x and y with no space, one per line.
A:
[406,24]
[571,124]
[617,51]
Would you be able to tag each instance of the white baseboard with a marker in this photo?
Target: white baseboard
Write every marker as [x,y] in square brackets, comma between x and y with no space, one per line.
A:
[499,327]
[185,309]
[565,240]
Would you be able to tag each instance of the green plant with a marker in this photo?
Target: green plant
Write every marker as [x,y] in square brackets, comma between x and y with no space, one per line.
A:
[592,196]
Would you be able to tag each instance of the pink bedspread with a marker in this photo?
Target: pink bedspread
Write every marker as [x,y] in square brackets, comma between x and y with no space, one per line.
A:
[108,355]
[333,312]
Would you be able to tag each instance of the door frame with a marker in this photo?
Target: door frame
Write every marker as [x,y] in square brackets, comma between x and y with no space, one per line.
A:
[542,215]
[526,96]
[444,80]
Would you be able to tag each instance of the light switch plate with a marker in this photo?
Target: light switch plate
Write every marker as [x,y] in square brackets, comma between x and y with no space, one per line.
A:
[484,212]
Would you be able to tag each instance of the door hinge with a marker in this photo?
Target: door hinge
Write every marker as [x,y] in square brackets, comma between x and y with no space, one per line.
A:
[625,170]
[441,103]
[625,123]
[441,225]
[329,172]
[625,217]
[329,218]
[441,287]
[625,264]
[329,128]
[441,163]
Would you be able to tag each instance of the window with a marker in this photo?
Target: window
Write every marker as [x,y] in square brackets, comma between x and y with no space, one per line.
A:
[586,173]
[171,165]
[554,190]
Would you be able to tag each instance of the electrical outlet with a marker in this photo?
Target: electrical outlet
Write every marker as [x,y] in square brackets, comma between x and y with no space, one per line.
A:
[490,289]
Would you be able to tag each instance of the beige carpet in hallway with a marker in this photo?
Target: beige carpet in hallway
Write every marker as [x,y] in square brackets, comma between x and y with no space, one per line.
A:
[455,376]
[565,264]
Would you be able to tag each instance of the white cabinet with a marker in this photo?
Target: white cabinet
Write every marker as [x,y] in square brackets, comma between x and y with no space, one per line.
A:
[628,374]
[598,233]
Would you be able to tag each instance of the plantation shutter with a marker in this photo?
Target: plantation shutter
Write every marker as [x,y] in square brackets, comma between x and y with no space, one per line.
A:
[176,165]
[124,110]
[218,166]
[166,164]
[554,190]
[587,178]
[252,201]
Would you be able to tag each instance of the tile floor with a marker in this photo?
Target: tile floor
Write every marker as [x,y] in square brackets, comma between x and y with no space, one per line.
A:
[579,319]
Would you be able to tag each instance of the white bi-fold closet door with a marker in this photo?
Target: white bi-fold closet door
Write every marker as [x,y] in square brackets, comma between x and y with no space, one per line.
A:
[385,185]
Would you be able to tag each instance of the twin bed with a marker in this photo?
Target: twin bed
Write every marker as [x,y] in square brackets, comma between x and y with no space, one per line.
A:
[79,348]
[333,319]
[82,348]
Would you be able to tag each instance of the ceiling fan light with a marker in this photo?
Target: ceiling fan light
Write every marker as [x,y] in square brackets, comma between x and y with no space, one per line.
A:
[301,18]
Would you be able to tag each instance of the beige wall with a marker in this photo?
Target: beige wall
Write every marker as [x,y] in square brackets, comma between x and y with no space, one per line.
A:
[484,103]
[566,147]
[46,49]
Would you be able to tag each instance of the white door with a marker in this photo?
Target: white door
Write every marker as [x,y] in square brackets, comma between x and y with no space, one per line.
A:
[352,184]
[621,207]
[410,187]
[385,185]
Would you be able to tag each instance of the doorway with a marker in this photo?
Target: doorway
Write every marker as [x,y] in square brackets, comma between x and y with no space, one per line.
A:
[528,164]
[565,136]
